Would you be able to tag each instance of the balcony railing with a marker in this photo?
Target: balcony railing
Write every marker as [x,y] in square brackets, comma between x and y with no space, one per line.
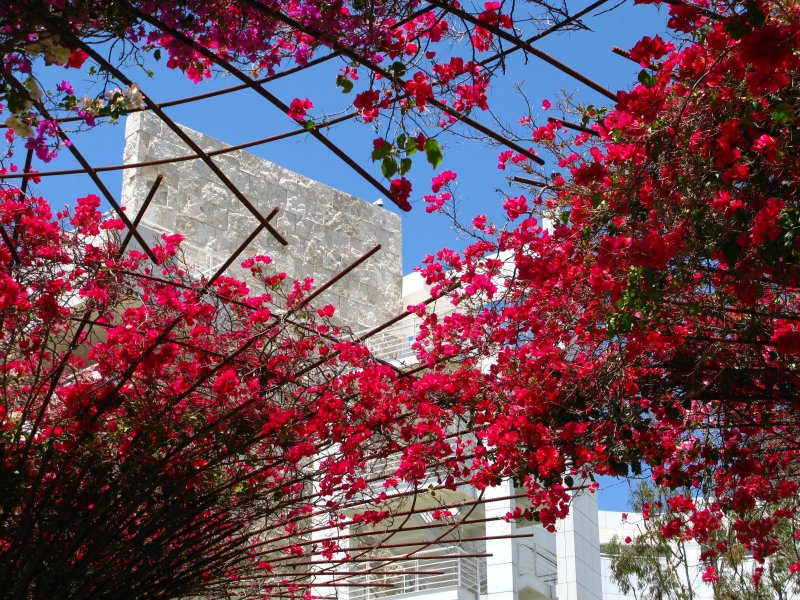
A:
[395,343]
[539,562]
[420,574]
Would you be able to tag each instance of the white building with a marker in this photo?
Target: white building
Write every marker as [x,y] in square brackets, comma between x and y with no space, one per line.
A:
[487,558]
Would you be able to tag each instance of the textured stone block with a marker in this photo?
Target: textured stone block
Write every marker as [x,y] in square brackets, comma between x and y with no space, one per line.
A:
[327,229]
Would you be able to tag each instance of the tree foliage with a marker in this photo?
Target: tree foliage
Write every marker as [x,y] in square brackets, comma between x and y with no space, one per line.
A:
[649,565]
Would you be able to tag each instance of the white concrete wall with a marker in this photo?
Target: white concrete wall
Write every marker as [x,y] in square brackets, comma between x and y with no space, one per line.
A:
[578,551]
[326,229]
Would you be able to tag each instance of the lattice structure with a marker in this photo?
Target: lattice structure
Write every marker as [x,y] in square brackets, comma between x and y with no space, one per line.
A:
[406,550]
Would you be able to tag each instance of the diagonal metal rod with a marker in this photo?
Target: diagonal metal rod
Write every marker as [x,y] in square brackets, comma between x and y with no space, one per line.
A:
[23,188]
[215,93]
[148,199]
[188,157]
[40,108]
[375,68]
[238,88]
[573,126]
[176,129]
[281,136]
[261,91]
[26,174]
[550,30]
[523,45]
[10,245]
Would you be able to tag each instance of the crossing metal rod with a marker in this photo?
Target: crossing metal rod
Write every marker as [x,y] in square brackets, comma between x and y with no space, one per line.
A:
[573,126]
[145,204]
[237,88]
[186,157]
[261,91]
[384,73]
[26,174]
[526,46]
[178,131]
[295,132]
[42,110]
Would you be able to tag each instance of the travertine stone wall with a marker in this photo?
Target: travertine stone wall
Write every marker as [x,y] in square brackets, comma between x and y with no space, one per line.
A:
[326,229]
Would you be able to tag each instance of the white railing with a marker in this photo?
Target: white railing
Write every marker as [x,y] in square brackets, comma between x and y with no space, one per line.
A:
[379,470]
[419,574]
[539,562]
[395,342]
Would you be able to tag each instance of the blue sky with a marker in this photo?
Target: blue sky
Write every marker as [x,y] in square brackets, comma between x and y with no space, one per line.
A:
[243,116]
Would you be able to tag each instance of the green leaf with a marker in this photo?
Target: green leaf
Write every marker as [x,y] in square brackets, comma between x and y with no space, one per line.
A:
[646,78]
[157,54]
[389,167]
[309,125]
[405,166]
[411,147]
[345,83]
[382,151]
[433,152]
[398,69]
[783,113]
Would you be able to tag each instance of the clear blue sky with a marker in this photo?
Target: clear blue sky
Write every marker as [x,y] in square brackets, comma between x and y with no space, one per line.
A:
[244,116]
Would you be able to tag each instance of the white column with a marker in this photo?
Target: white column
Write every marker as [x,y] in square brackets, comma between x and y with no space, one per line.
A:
[502,566]
[578,551]
[322,564]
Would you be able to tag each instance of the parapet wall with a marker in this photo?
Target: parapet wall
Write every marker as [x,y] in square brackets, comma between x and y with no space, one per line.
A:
[326,229]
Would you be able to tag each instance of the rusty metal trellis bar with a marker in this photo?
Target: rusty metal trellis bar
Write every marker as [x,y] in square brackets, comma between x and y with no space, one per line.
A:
[372,66]
[185,157]
[523,45]
[176,129]
[268,96]
[573,126]
[284,135]
[261,80]
[26,174]
[42,110]
[148,199]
